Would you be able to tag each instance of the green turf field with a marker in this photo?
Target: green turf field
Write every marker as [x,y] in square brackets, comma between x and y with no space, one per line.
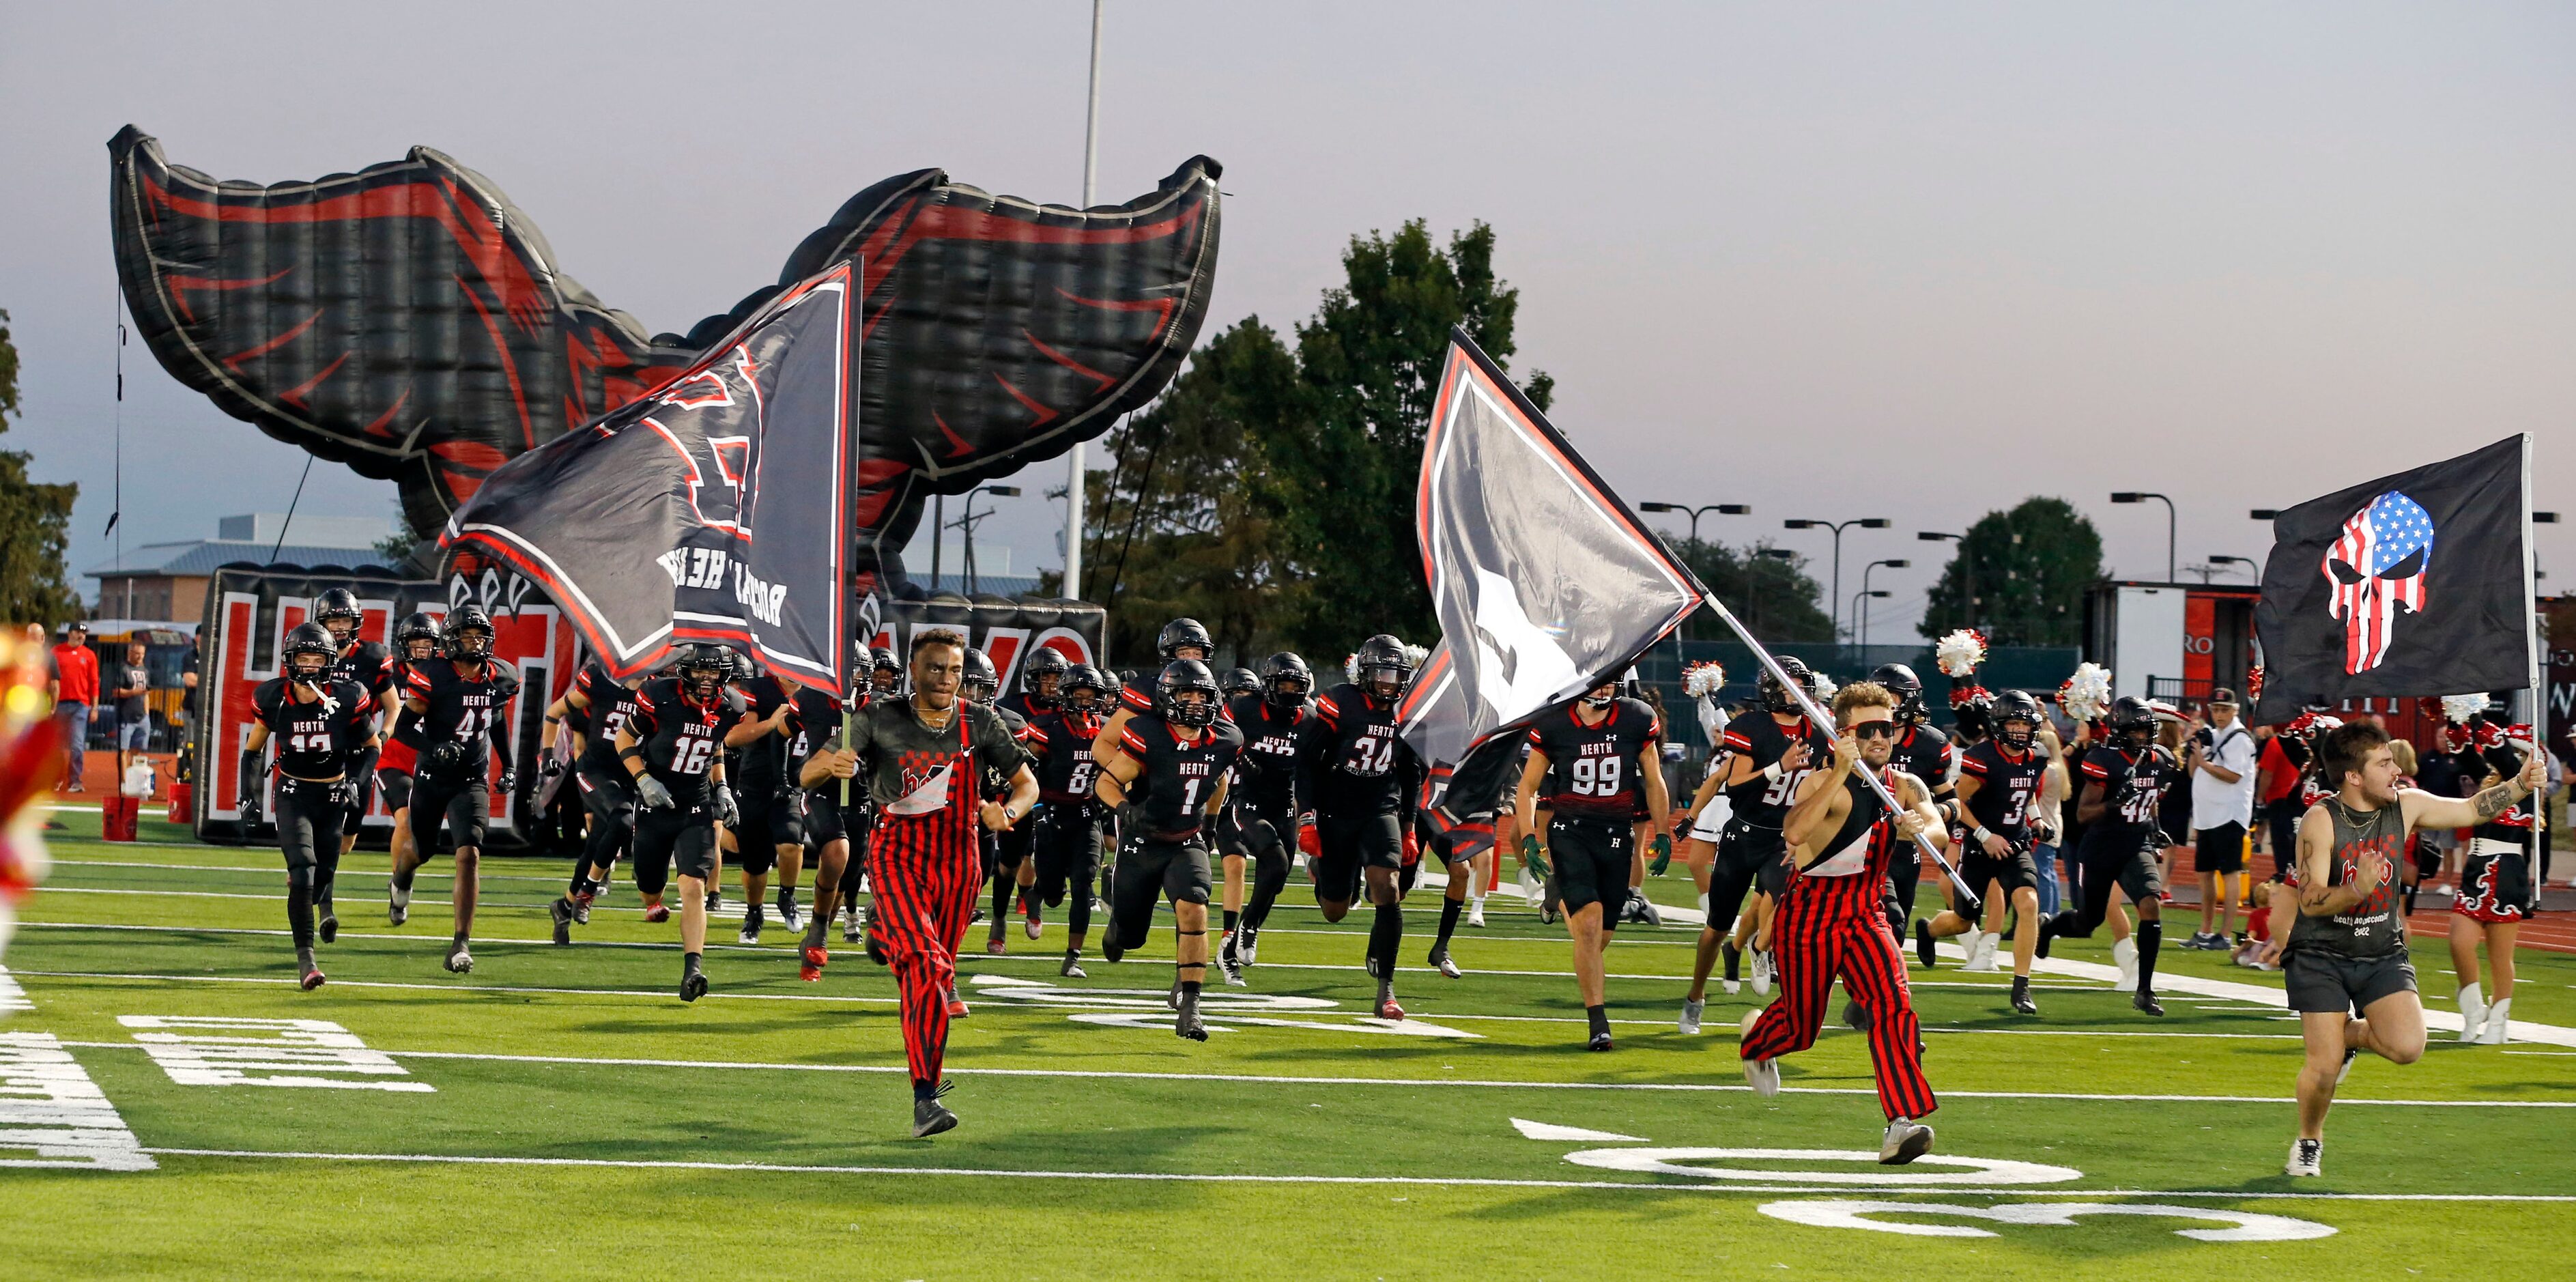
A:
[578,1120]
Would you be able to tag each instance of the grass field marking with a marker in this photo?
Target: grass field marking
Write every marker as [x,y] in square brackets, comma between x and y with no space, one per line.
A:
[1572,1134]
[49,1105]
[198,1051]
[2244,1226]
[1177,1177]
[13,995]
[1408,1083]
[459,988]
[279,869]
[1230,1023]
[1680,1161]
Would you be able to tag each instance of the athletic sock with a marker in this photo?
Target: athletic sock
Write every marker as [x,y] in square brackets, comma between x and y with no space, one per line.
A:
[1449,910]
[2151,937]
[923,1088]
[1600,1017]
[816,927]
[304,957]
[1233,918]
[460,939]
[1189,988]
[1386,935]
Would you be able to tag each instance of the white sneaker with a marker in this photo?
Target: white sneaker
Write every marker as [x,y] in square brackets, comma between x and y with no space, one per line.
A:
[2307,1157]
[1530,889]
[2124,954]
[1476,912]
[1981,951]
[1691,1012]
[1763,1075]
[2498,1016]
[1762,973]
[1906,1140]
[2473,1013]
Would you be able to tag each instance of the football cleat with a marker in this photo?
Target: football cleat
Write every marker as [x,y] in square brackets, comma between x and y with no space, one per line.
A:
[1476,912]
[994,947]
[750,929]
[1600,1042]
[1247,943]
[1761,972]
[1691,1012]
[1923,945]
[1186,1024]
[2307,1157]
[851,924]
[930,1117]
[788,914]
[2021,1002]
[693,983]
[459,961]
[956,1005]
[397,906]
[329,927]
[1386,1005]
[312,978]
[656,913]
[1734,980]
[1072,968]
[1440,958]
[581,910]
[1906,1140]
[2145,1001]
[561,911]
[815,957]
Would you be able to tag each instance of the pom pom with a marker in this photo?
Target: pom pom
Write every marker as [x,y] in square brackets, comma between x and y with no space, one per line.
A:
[1822,687]
[1415,656]
[1703,680]
[2460,707]
[2087,694]
[1351,668]
[1959,653]
[1963,695]
[2254,682]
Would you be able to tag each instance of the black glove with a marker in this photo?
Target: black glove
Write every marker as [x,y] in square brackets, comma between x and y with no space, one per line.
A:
[727,813]
[252,777]
[509,782]
[345,793]
[554,766]
[650,793]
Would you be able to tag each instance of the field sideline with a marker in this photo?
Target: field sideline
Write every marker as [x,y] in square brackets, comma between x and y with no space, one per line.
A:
[560,1111]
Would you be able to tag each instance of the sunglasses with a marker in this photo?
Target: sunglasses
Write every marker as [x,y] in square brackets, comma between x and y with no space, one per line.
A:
[1874,730]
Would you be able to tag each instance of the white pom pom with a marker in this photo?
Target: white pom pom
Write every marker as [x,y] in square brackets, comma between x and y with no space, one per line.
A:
[2088,693]
[1351,668]
[1415,656]
[1701,680]
[2460,707]
[1824,689]
[1959,653]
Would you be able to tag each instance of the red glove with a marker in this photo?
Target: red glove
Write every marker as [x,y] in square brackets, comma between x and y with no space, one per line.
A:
[1308,843]
[1412,847]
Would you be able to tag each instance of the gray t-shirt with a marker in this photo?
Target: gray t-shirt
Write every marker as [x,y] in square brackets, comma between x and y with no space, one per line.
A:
[2374,927]
[909,766]
[130,676]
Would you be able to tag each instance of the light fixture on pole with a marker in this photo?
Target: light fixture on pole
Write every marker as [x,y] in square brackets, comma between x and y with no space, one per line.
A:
[2246,561]
[966,522]
[1695,513]
[1897,563]
[1967,574]
[1860,608]
[2141,496]
[1834,600]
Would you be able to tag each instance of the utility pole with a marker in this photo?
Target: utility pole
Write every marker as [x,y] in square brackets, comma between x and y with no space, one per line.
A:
[1073,498]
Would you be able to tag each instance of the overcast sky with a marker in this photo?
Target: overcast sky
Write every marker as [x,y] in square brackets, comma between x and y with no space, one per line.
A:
[1833,261]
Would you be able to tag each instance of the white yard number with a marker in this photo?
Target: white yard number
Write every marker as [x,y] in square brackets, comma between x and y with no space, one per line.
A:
[692,756]
[1371,756]
[1596,776]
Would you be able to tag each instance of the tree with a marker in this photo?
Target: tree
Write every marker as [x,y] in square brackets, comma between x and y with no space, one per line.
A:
[2030,568]
[1269,492]
[1772,595]
[35,523]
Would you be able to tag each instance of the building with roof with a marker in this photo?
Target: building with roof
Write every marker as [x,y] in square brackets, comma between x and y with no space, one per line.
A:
[167,581]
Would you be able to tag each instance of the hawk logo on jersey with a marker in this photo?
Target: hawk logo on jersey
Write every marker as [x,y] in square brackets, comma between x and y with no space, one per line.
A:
[925,777]
[1520,667]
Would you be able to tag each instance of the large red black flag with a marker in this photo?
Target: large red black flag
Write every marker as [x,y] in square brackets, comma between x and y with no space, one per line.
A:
[1544,581]
[706,511]
[2418,583]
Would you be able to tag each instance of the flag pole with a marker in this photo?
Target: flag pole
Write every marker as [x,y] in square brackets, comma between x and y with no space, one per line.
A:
[1968,904]
[2540,835]
[850,640]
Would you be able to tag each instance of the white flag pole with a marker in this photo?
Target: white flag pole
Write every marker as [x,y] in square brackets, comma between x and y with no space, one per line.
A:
[1967,906]
[2539,681]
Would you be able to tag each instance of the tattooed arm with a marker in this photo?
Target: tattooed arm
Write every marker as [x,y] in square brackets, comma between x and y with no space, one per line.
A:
[2424,810]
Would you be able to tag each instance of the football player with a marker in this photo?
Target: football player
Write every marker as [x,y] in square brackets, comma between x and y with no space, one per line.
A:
[1041,684]
[325,727]
[367,665]
[1007,865]
[1361,781]
[1068,820]
[771,830]
[398,751]
[1997,825]
[1604,752]
[592,711]
[1768,756]
[673,750]
[2121,810]
[834,810]
[1166,780]
[463,702]
[1925,753]
[1258,829]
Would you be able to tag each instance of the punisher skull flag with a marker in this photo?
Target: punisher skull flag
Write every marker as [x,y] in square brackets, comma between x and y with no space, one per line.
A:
[1545,583]
[714,509]
[2420,583]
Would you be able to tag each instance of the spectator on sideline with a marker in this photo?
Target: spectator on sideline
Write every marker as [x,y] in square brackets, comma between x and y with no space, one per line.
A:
[2052,800]
[2222,806]
[133,718]
[74,688]
[188,700]
[2437,771]
[2276,789]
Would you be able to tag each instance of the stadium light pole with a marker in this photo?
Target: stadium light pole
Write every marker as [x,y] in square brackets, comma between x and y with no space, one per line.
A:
[1896,563]
[1835,600]
[1753,589]
[1073,461]
[1695,513]
[2246,561]
[2171,528]
[1967,573]
[966,522]
[1860,607]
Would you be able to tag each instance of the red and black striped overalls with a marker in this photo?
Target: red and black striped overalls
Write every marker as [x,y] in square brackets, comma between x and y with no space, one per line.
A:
[924,871]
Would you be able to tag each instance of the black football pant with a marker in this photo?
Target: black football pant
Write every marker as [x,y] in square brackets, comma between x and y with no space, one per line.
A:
[1266,835]
[611,804]
[309,817]
[1066,842]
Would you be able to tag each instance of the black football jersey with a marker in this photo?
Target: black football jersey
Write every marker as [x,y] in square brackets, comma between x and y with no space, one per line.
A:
[2005,787]
[1351,759]
[1761,738]
[369,666]
[612,708]
[1594,767]
[1178,775]
[682,738]
[760,765]
[588,682]
[817,717]
[1026,704]
[1061,743]
[1928,755]
[458,708]
[406,722]
[1266,775]
[1138,696]
[316,740]
[2132,784]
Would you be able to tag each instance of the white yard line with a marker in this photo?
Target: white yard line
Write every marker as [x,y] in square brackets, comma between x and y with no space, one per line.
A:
[1233,1178]
[1401,1082]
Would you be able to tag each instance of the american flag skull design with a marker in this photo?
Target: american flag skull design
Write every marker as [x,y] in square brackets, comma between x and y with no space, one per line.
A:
[2377,569]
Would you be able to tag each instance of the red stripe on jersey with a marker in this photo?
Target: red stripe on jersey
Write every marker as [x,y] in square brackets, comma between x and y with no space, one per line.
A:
[1972,766]
[1128,740]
